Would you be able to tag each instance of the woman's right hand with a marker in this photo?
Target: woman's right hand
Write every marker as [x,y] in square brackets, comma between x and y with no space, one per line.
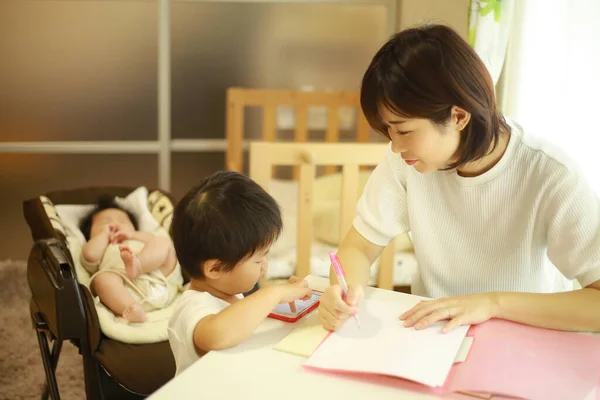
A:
[333,310]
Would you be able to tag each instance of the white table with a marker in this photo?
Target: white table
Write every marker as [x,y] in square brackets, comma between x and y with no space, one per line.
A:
[253,370]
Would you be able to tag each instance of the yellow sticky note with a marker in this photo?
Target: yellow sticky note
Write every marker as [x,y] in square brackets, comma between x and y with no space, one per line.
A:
[305,338]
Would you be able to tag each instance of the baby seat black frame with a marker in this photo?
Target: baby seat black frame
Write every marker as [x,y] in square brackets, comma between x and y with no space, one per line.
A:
[63,309]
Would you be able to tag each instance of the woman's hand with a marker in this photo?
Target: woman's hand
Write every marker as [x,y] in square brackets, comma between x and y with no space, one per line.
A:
[333,310]
[458,310]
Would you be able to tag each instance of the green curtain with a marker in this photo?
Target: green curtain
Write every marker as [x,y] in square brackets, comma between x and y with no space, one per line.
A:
[489,29]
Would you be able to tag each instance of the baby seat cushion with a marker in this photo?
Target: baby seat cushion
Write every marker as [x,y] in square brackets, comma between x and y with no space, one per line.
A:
[153,212]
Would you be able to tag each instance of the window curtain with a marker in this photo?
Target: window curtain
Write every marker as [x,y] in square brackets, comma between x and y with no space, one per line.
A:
[489,28]
[551,80]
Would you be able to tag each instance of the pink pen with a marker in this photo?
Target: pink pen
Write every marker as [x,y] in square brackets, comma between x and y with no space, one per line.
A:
[341,277]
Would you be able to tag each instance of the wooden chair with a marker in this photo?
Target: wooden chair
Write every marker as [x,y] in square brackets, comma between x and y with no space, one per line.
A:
[307,156]
[269,100]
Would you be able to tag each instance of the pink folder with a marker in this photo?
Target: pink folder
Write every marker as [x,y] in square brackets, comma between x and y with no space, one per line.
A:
[515,361]
[521,361]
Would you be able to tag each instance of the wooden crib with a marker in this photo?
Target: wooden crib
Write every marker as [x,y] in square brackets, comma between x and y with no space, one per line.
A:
[238,99]
[264,156]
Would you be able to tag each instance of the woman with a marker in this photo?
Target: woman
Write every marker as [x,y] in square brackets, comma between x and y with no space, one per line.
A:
[501,221]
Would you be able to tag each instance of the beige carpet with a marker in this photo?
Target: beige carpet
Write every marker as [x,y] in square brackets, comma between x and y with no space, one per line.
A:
[21,368]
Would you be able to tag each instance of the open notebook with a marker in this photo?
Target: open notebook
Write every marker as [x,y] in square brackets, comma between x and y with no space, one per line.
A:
[383,346]
[505,359]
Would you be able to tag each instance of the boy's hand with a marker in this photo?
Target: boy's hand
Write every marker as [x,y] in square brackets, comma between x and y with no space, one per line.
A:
[294,279]
[294,290]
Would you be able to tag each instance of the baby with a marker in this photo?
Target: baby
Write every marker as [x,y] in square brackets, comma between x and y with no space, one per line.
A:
[118,255]
[222,231]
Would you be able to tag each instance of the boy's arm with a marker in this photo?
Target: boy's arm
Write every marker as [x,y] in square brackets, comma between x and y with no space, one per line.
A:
[94,249]
[237,322]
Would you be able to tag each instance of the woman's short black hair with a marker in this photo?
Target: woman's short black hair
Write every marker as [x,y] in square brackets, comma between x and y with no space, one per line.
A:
[227,217]
[104,202]
[422,72]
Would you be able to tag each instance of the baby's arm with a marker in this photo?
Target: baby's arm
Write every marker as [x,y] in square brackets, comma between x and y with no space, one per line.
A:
[156,250]
[144,237]
[94,249]
[238,321]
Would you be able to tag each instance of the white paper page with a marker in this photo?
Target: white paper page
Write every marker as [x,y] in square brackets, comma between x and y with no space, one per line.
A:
[383,346]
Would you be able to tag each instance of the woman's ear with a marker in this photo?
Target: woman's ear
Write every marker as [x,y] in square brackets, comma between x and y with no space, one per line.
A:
[212,269]
[459,118]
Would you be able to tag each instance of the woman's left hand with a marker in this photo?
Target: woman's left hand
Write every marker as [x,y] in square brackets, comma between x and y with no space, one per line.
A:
[458,310]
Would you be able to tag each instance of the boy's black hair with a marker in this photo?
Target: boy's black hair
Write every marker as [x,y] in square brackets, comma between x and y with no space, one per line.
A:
[104,202]
[227,217]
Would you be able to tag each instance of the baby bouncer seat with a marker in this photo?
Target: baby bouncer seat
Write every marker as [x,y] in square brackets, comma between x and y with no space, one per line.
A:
[62,307]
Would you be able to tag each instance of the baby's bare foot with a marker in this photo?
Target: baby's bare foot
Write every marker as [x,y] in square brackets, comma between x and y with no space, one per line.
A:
[133,267]
[135,313]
